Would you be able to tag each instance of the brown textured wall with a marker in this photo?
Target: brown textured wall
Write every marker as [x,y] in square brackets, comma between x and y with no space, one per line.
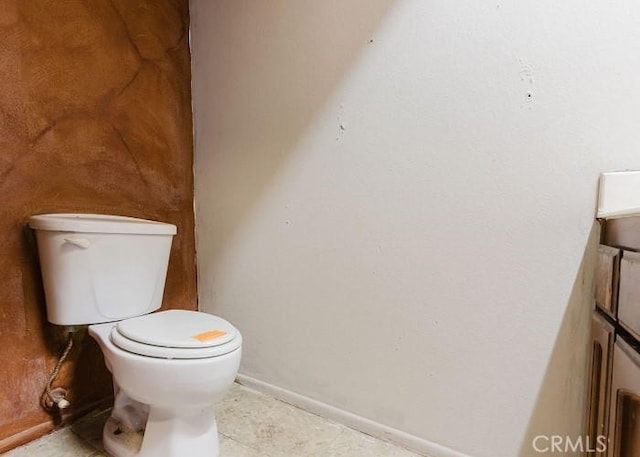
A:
[95,116]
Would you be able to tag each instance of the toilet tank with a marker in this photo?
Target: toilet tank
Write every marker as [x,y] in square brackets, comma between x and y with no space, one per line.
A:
[99,268]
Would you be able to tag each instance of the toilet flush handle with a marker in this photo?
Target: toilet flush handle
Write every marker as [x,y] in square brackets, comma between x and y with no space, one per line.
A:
[80,242]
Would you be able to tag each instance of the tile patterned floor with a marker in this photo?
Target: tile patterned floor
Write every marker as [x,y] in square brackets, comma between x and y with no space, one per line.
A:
[251,425]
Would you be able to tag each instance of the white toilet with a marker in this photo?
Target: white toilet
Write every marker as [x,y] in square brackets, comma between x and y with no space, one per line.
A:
[169,367]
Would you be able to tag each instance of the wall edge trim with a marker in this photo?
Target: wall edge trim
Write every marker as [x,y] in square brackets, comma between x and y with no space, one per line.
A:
[44,428]
[26,436]
[351,420]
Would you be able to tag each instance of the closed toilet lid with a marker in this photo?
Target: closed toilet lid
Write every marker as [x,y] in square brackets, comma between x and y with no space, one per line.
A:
[176,334]
[149,350]
[178,328]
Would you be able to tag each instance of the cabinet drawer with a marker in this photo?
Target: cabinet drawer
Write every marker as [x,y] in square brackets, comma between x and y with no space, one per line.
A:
[606,279]
[602,337]
[625,402]
[629,293]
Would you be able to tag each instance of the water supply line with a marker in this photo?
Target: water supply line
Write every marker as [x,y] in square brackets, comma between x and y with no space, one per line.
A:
[56,398]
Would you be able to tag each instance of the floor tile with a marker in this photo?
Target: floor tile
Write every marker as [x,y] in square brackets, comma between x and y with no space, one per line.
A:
[278,429]
[271,426]
[231,448]
[63,443]
[251,424]
[355,444]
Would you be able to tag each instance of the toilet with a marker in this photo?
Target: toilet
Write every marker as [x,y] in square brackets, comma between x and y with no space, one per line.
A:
[168,367]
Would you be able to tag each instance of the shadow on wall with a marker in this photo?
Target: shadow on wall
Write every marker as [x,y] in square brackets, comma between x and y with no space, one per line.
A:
[562,394]
[282,61]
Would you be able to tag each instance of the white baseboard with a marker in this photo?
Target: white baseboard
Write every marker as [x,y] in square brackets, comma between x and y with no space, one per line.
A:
[351,420]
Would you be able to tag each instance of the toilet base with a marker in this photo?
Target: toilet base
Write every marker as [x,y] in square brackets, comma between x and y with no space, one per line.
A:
[119,443]
[168,433]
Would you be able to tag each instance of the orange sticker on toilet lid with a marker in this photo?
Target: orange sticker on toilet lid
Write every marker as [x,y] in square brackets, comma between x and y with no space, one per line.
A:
[210,335]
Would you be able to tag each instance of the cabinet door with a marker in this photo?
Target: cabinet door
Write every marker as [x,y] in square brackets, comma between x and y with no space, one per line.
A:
[629,294]
[625,402]
[602,335]
[606,279]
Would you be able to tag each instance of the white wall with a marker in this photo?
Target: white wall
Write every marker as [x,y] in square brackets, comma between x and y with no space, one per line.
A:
[394,201]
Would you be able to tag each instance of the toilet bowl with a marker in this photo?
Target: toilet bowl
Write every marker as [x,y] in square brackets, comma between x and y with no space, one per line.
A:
[168,367]
[176,391]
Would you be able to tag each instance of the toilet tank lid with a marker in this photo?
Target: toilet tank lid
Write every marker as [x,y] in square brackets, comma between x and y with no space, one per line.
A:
[99,223]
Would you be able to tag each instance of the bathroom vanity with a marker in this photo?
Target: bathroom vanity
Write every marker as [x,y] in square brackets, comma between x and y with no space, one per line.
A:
[613,407]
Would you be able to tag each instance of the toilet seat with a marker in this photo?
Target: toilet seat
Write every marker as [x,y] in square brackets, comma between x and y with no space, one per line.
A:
[176,334]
